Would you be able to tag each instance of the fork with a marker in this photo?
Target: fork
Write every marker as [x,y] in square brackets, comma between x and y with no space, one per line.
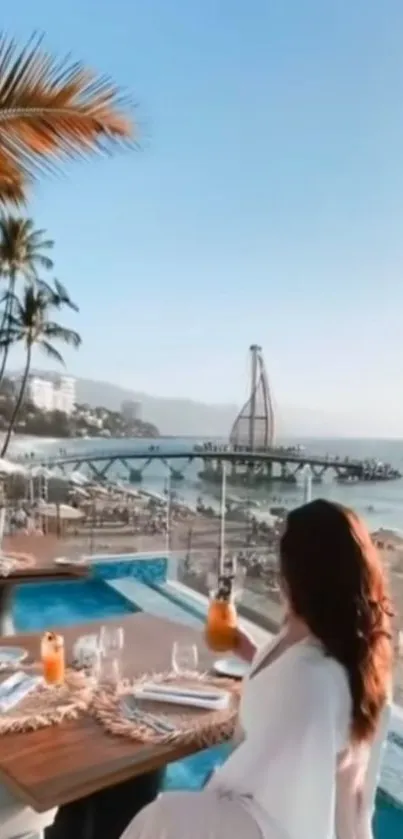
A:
[133,711]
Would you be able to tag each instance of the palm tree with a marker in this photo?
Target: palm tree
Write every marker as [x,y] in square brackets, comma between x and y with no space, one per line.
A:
[22,250]
[30,325]
[51,109]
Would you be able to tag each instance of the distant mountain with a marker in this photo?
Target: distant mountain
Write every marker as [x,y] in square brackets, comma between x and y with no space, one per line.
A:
[172,416]
[185,417]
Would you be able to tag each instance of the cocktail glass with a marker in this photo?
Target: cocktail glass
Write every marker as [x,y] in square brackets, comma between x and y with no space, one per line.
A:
[222,619]
[53,659]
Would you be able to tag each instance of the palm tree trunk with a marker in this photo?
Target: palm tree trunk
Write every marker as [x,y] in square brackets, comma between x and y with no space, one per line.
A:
[5,325]
[19,400]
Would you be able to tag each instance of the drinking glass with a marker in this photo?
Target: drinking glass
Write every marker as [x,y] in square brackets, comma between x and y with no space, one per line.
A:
[185,657]
[52,655]
[111,643]
[87,654]
[221,624]
[111,640]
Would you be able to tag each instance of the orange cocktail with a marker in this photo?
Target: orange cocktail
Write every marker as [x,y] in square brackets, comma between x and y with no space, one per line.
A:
[222,620]
[221,626]
[52,654]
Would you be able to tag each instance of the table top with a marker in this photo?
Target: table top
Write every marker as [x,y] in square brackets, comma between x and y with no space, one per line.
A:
[62,763]
[45,549]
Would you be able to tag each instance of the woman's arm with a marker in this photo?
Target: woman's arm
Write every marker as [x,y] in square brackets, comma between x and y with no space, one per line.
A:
[246,647]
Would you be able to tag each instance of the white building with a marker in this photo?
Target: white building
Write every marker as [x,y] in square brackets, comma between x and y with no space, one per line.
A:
[64,395]
[130,410]
[49,395]
[40,393]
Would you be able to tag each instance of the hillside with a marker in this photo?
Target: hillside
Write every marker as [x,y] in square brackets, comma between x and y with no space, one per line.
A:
[185,417]
[178,417]
[85,421]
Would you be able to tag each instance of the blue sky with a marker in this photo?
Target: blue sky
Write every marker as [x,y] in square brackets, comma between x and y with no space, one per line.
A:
[265,205]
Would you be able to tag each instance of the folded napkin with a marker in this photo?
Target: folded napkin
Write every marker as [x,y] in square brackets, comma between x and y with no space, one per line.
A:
[16,688]
[211,700]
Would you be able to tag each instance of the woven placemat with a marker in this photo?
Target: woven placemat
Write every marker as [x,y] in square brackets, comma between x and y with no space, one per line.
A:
[50,705]
[191,724]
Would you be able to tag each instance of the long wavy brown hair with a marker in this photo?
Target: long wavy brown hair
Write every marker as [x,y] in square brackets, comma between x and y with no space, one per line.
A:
[336,584]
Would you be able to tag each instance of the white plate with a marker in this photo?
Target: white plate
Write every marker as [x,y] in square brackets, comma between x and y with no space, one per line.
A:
[12,655]
[235,668]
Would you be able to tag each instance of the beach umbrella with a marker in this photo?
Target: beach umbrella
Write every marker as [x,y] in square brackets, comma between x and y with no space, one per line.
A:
[41,472]
[7,467]
[61,511]
[79,491]
[76,477]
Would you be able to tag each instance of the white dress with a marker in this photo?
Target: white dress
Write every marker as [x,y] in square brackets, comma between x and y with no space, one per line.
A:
[294,775]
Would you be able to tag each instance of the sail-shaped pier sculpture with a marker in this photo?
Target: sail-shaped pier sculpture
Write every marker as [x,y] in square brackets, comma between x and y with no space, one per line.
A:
[253,429]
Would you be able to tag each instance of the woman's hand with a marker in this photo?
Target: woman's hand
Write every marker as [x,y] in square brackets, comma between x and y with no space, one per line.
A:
[245,646]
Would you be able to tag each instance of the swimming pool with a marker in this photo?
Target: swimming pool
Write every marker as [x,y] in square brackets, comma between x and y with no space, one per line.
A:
[39,607]
[124,586]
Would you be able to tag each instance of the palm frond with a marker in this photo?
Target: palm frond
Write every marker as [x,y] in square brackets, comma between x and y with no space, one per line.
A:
[44,287]
[60,333]
[44,261]
[51,352]
[51,109]
[13,184]
[56,294]
[63,296]
[11,337]
[22,247]
[11,299]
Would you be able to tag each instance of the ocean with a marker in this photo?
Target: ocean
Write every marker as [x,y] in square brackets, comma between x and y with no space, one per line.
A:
[380,504]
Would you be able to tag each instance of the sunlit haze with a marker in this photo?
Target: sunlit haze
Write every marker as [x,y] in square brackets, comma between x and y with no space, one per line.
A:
[265,203]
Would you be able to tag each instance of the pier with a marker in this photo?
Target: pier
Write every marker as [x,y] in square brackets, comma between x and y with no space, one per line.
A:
[250,458]
[243,467]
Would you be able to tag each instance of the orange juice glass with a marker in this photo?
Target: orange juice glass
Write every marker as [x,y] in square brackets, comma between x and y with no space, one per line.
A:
[221,625]
[52,654]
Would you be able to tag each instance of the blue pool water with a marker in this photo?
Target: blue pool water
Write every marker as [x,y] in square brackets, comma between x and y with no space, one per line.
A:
[388,823]
[39,606]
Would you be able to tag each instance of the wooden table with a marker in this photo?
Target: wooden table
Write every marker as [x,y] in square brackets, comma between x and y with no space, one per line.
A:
[44,549]
[63,763]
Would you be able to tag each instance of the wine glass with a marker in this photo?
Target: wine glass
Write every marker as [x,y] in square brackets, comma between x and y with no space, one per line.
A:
[111,640]
[185,658]
[111,643]
[86,653]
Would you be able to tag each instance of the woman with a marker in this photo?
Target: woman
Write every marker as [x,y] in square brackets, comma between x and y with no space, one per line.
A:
[314,711]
